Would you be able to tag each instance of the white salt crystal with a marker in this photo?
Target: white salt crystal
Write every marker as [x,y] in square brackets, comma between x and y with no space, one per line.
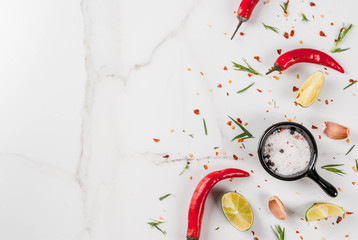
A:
[288,153]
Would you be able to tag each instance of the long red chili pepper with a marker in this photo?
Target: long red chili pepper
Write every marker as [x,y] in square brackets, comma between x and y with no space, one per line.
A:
[198,199]
[244,12]
[304,55]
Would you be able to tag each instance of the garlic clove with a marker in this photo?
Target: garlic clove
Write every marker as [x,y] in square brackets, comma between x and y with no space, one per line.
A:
[277,208]
[335,130]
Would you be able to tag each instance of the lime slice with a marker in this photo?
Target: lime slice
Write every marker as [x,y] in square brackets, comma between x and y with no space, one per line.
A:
[309,90]
[237,211]
[323,210]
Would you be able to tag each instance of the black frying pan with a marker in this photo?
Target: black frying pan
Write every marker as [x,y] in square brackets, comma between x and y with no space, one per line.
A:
[310,170]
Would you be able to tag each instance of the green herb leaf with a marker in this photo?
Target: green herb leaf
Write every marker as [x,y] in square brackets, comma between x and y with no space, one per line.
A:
[332,168]
[249,69]
[342,33]
[271,28]
[205,129]
[216,147]
[245,135]
[284,6]
[165,196]
[304,18]
[185,168]
[350,149]
[243,145]
[350,84]
[279,232]
[191,135]
[243,90]
[356,164]
[155,224]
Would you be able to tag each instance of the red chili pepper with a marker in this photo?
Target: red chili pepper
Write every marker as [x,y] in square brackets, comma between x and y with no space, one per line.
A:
[307,55]
[198,199]
[244,12]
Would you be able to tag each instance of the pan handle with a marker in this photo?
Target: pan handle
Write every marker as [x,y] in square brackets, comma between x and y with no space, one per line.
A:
[326,186]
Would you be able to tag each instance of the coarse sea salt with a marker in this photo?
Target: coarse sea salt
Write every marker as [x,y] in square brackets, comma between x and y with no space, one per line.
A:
[287,152]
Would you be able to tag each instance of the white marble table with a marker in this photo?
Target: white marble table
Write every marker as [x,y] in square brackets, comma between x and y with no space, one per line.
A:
[86,86]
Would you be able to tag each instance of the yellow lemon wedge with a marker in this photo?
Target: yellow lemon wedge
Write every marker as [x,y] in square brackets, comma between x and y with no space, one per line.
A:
[237,211]
[323,210]
[309,90]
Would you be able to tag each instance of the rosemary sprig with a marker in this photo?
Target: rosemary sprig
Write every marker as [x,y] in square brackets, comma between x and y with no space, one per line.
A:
[284,6]
[164,197]
[332,168]
[155,224]
[243,90]
[185,168]
[350,149]
[245,69]
[356,164]
[205,129]
[304,18]
[245,135]
[270,28]
[342,33]
[279,232]
[350,84]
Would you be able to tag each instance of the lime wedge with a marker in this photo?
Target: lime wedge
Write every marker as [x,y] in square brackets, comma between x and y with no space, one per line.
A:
[309,90]
[323,210]
[237,211]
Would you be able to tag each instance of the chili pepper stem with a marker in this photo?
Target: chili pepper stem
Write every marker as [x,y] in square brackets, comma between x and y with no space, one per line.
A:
[237,28]
[275,67]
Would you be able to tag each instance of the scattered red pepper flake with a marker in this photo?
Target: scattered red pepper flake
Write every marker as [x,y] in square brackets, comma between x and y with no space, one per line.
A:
[286,35]
[253,233]
[326,101]
[301,237]
[351,80]
[258,186]
[259,90]
[216,153]
[245,123]
[331,23]
[202,73]
[225,68]
[219,85]
[353,183]
[349,213]
[229,123]
[156,140]
[347,235]
[295,103]
[265,180]
[297,76]
[242,34]
[251,154]
[227,93]
[196,111]
[235,157]
[297,232]
[257,58]
[249,74]
[321,33]
[205,167]
[240,140]
[339,219]
[275,77]
[292,33]
[312,4]
[255,238]
[252,171]
[319,136]
[166,156]
[295,89]
[239,120]
[279,51]
[314,127]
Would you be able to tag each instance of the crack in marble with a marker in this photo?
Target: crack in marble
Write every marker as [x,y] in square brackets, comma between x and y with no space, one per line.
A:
[169,36]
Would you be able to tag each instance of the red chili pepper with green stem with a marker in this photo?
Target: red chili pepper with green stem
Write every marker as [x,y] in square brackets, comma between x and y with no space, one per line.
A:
[200,194]
[306,55]
[244,12]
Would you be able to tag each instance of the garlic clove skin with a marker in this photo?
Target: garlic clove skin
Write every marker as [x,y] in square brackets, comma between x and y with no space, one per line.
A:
[277,208]
[335,130]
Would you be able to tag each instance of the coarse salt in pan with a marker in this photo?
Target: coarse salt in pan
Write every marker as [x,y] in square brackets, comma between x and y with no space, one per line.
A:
[287,152]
